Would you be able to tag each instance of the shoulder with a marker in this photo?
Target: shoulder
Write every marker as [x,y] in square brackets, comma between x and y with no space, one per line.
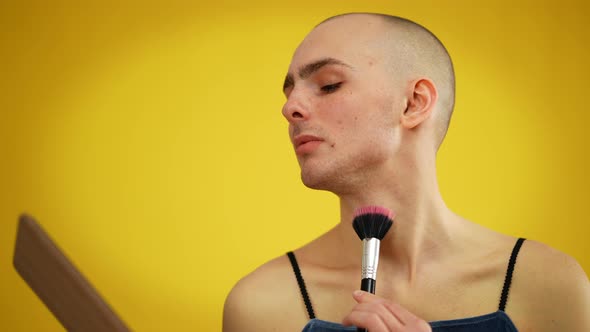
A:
[551,288]
[548,269]
[265,300]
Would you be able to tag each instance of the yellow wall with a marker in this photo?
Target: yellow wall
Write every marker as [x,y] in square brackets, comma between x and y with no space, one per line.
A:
[148,140]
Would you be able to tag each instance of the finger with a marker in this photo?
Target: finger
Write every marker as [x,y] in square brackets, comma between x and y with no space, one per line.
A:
[373,316]
[365,297]
[401,313]
[367,320]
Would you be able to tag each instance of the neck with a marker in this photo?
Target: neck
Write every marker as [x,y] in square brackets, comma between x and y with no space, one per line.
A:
[422,223]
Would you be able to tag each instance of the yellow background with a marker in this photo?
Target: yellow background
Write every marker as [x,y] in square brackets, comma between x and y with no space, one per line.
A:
[147,138]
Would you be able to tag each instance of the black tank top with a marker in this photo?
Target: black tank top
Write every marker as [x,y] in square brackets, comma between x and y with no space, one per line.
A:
[494,322]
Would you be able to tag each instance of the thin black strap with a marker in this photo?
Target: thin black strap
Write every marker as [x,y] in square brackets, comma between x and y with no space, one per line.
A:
[508,279]
[301,283]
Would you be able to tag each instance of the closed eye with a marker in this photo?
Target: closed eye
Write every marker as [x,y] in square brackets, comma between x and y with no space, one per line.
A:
[330,88]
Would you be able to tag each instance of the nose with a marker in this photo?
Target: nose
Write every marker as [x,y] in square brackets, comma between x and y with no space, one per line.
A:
[296,108]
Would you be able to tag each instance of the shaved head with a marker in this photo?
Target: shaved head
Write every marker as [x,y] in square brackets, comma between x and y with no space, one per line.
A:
[416,52]
[366,93]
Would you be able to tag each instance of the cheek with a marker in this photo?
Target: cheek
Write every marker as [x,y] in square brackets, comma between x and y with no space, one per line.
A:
[386,111]
[380,123]
[341,112]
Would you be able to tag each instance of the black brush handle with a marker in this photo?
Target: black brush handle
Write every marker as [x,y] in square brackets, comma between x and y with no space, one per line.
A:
[367,285]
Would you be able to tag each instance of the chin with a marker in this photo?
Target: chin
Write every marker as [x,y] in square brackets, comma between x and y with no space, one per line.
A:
[313,180]
[327,181]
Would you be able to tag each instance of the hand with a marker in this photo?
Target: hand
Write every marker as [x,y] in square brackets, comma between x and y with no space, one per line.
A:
[379,315]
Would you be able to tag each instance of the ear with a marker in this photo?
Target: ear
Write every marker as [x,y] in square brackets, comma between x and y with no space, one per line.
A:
[422,97]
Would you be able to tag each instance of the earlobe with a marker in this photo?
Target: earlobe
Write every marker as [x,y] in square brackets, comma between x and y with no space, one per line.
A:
[422,98]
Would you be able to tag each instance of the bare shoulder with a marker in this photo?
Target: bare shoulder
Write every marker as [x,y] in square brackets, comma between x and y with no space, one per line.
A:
[265,300]
[550,289]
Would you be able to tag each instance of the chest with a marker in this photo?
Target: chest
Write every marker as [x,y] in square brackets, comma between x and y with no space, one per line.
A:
[444,296]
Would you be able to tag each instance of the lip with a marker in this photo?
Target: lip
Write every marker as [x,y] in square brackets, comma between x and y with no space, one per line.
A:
[306,143]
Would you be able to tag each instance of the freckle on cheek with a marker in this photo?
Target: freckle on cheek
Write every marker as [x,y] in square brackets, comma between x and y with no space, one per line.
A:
[333,144]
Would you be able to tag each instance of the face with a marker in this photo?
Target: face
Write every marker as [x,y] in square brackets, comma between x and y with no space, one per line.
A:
[342,105]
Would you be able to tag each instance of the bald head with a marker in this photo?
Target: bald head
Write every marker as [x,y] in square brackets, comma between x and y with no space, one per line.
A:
[412,52]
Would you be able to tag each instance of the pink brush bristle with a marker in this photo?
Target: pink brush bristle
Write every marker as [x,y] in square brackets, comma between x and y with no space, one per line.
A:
[372,222]
[374,210]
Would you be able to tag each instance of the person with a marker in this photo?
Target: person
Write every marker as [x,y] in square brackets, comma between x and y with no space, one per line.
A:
[369,100]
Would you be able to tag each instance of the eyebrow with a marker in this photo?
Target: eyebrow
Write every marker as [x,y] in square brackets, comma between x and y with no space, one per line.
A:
[310,68]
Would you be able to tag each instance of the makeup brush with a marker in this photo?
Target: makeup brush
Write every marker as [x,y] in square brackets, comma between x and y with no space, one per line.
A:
[371,223]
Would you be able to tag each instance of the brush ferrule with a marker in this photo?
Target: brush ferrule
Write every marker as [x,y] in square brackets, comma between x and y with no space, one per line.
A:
[370,258]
